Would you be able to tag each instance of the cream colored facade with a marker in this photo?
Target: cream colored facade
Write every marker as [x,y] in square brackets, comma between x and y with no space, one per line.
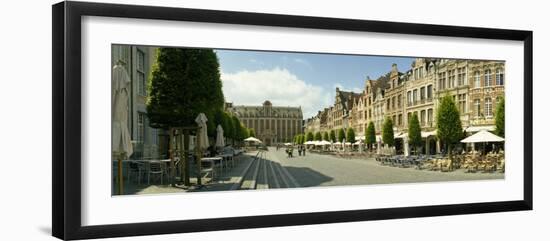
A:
[476,86]
[272,124]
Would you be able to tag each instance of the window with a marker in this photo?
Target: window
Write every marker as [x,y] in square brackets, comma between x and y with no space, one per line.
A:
[422,93]
[477,107]
[462,103]
[409,98]
[461,76]
[488,107]
[430,116]
[423,117]
[429,92]
[500,77]
[477,79]
[487,78]
[399,100]
[442,80]
[400,119]
[451,75]
[142,82]
[420,72]
[140,127]
[415,95]
[388,104]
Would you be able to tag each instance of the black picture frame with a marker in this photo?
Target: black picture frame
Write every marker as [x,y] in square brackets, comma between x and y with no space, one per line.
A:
[67,137]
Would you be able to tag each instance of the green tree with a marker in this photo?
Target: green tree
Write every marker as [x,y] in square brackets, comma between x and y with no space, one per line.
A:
[332,136]
[309,136]
[302,138]
[238,134]
[251,132]
[350,135]
[183,83]
[415,136]
[449,127]
[387,132]
[499,118]
[371,134]
[341,135]
[227,125]
[246,132]
[318,136]
[325,136]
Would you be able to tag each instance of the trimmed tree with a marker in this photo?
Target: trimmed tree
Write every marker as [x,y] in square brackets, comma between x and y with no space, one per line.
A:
[499,118]
[341,135]
[387,132]
[371,134]
[449,127]
[350,135]
[309,136]
[251,132]
[332,136]
[415,136]
[318,136]
[182,84]
[325,136]
[227,125]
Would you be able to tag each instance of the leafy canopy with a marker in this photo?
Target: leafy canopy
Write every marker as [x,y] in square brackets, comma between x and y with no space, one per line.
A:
[387,132]
[415,136]
[183,83]
[499,118]
[371,134]
[449,126]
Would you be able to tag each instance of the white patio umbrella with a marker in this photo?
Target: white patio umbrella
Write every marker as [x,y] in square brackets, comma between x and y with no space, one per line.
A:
[203,132]
[220,142]
[482,136]
[121,142]
[253,139]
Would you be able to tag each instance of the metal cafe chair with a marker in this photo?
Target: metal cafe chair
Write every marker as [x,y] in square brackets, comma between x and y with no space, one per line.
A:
[155,168]
[136,168]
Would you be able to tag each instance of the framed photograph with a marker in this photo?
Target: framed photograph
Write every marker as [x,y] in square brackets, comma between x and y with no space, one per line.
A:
[172,120]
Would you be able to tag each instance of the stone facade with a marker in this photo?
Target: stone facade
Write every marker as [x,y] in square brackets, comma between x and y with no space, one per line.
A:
[476,86]
[272,124]
[138,60]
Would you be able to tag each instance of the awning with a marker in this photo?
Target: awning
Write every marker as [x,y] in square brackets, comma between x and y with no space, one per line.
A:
[425,134]
[480,128]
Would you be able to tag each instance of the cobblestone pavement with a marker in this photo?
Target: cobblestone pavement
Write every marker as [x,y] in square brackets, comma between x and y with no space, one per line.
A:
[326,170]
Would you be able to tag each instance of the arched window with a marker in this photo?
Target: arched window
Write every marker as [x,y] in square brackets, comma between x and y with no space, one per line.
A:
[500,77]
[487,78]
[477,80]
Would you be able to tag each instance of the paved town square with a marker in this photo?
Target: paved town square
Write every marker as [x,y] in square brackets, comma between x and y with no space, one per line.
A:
[196,120]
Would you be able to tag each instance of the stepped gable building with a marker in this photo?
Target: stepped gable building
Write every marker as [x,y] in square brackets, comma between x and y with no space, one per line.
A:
[340,113]
[477,86]
[272,124]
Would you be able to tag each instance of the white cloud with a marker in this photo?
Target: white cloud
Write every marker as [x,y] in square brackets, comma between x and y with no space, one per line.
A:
[278,85]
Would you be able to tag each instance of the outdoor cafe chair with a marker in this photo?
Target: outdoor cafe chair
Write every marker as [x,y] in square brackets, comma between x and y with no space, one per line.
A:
[155,168]
[136,168]
[208,169]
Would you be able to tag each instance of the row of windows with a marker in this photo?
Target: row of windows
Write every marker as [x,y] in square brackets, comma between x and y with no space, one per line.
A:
[422,94]
[485,110]
[487,78]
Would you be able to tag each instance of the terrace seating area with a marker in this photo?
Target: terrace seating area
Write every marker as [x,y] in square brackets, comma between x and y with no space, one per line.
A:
[157,171]
[468,162]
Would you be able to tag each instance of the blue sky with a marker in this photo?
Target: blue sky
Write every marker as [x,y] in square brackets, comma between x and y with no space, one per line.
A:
[297,79]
